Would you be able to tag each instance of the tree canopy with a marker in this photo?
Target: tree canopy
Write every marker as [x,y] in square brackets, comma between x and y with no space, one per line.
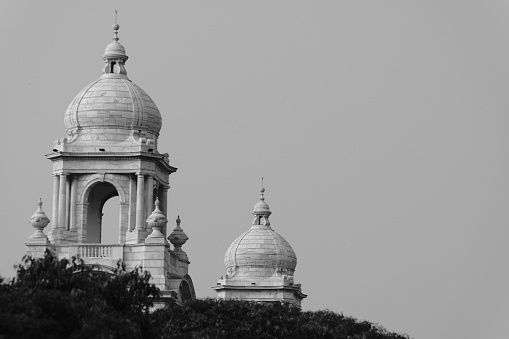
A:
[52,298]
[210,318]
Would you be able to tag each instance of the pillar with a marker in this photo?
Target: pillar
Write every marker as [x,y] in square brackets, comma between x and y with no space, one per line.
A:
[163,206]
[123,221]
[140,202]
[72,217]
[150,197]
[67,201]
[132,203]
[81,215]
[54,213]
[61,201]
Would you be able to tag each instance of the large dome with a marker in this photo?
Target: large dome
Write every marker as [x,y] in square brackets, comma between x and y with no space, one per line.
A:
[112,108]
[113,101]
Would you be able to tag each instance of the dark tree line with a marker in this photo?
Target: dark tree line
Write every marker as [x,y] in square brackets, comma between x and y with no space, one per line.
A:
[51,298]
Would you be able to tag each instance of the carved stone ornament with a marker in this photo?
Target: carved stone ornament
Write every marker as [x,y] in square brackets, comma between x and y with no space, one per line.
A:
[39,221]
[178,237]
[231,271]
[156,221]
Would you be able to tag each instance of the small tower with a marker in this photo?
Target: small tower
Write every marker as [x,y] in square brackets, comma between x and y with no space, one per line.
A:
[111,150]
[260,264]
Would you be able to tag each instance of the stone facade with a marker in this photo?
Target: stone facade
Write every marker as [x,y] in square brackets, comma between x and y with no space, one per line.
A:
[260,264]
[111,150]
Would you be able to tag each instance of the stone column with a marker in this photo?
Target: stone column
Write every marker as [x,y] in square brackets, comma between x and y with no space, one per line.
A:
[54,213]
[72,218]
[123,221]
[81,216]
[132,203]
[61,201]
[140,203]
[163,199]
[150,198]
[67,201]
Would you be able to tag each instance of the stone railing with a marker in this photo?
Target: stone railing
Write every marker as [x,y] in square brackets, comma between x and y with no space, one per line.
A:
[96,251]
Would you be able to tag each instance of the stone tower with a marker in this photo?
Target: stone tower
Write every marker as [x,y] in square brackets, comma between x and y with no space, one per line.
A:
[111,150]
[260,264]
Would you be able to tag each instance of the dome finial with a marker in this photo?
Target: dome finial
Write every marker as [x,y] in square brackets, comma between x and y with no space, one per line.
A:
[262,190]
[114,54]
[115,28]
[261,210]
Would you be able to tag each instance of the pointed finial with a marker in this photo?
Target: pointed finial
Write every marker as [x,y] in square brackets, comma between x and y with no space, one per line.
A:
[115,28]
[156,222]
[178,237]
[39,220]
[262,190]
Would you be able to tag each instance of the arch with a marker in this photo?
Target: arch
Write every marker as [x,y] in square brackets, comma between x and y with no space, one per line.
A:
[186,289]
[99,178]
[98,194]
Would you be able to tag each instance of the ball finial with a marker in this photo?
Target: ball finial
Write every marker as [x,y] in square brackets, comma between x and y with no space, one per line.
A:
[115,26]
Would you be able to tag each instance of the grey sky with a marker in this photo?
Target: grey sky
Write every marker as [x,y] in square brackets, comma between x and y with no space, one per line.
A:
[381,128]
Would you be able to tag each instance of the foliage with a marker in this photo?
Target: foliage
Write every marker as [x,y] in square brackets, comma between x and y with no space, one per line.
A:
[242,319]
[53,298]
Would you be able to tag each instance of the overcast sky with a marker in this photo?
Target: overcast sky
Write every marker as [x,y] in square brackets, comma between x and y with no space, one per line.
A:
[381,128]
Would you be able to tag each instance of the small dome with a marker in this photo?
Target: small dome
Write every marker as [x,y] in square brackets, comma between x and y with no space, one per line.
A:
[261,207]
[260,251]
[114,49]
[261,247]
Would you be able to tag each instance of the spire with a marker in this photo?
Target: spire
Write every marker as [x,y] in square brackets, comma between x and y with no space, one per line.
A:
[261,210]
[115,28]
[114,55]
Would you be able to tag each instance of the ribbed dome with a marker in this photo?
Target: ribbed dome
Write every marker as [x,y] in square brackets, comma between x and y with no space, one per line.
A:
[260,251]
[261,246]
[113,101]
[112,107]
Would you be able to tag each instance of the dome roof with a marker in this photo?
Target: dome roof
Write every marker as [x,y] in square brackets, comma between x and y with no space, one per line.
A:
[113,101]
[115,49]
[261,246]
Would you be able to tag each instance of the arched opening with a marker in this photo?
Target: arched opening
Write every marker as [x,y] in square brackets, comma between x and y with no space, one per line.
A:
[185,292]
[100,229]
[186,289]
[110,221]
